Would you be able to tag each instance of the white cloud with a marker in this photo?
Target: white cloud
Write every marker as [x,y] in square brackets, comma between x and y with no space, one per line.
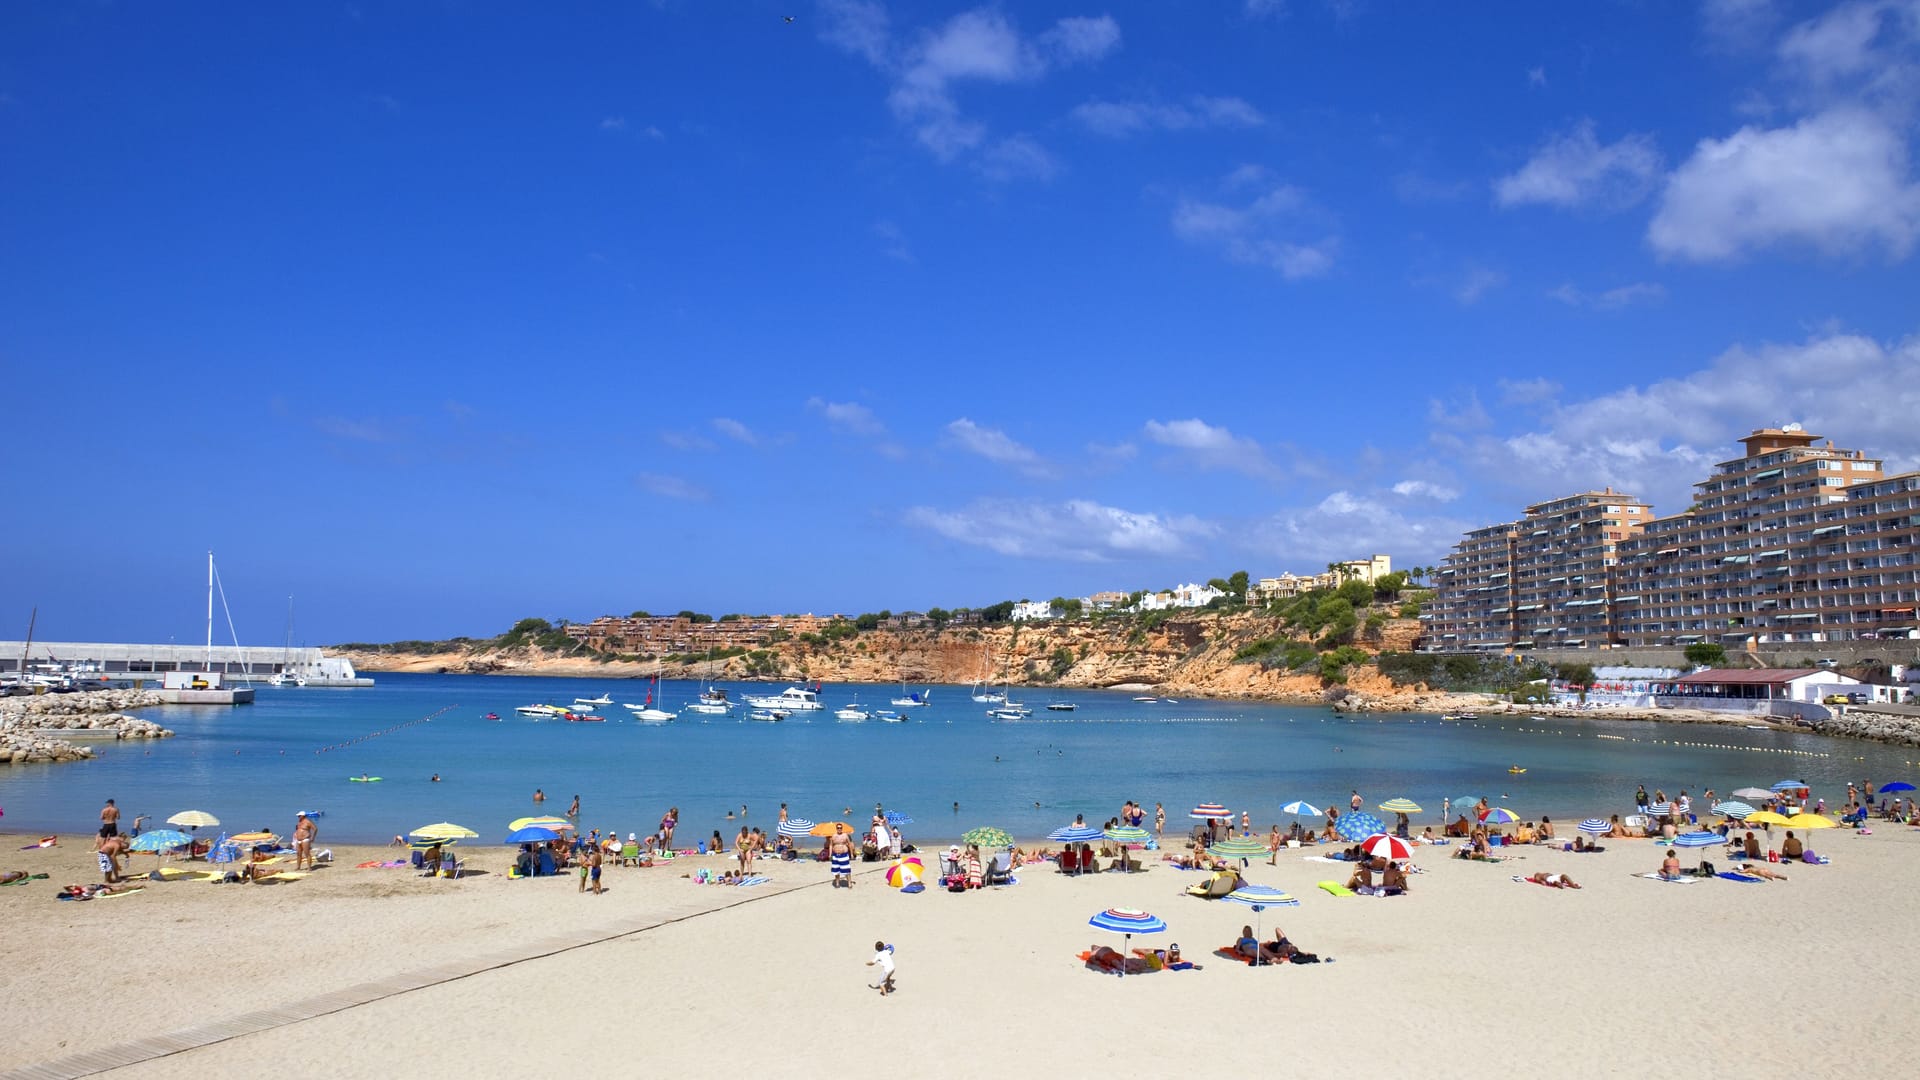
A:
[670,487]
[1078,530]
[848,416]
[1836,182]
[982,45]
[1536,76]
[1212,447]
[1343,525]
[1281,229]
[1476,282]
[1527,391]
[614,123]
[618,125]
[1265,9]
[1838,44]
[1576,169]
[996,446]
[1423,489]
[893,241]
[1620,296]
[1119,119]
[681,440]
[735,430]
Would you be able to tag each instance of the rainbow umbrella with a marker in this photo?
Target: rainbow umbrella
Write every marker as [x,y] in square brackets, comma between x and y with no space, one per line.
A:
[1209,810]
[905,872]
[1500,815]
[1260,898]
[544,821]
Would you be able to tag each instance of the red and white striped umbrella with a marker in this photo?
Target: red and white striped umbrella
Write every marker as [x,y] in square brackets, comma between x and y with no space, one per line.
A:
[1388,847]
[1209,810]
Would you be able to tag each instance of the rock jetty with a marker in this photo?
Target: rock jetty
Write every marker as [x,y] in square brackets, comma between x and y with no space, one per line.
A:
[30,726]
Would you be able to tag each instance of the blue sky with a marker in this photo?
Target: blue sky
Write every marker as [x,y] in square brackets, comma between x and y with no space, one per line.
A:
[434,316]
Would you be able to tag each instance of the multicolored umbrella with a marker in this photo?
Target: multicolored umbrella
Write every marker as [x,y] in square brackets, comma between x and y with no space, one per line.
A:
[1593,826]
[1500,815]
[1388,847]
[1127,834]
[1206,811]
[1238,847]
[443,830]
[1357,825]
[1076,834]
[542,821]
[1301,808]
[986,836]
[1400,806]
[905,872]
[254,838]
[1127,921]
[161,840]
[795,828]
[1733,808]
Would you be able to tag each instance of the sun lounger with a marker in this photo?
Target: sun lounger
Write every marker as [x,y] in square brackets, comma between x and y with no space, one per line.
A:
[1213,889]
[1069,861]
[1000,869]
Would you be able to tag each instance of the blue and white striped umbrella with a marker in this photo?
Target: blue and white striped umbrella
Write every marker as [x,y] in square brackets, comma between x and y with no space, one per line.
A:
[1593,825]
[161,840]
[895,817]
[1127,921]
[1659,809]
[796,827]
[1301,808]
[1077,834]
[1698,839]
[1357,825]
[1262,896]
[1732,808]
[1789,785]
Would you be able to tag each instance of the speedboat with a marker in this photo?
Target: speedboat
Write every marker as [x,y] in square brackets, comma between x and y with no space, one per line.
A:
[286,678]
[793,698]
[887,715]
[1516,770]
[585,718]
[491,716]
[768,715]
[601,700]
[1061,706]
[1012,710]
[541,710]
[852,713]
[1148,700]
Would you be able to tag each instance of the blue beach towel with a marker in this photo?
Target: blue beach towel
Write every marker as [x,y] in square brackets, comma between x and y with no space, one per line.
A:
[1724,876]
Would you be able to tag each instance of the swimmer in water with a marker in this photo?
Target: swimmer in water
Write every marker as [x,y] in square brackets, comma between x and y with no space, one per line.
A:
[436,778]
[729,815]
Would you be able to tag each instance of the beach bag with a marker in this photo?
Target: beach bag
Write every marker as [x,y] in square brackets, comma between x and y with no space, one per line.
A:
[1706,868]
[1808,856]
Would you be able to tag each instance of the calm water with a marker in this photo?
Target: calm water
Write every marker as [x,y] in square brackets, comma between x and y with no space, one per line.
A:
[255,765]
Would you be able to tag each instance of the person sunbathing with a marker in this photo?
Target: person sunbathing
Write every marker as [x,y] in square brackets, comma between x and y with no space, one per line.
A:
[1546,828]
[1248,947]
[1763,872]
[1107,958]
[1555,881]
[1670,867]
[1427,837]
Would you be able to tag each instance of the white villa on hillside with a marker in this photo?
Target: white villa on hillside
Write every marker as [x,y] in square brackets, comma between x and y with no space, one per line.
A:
[1185,596]
[1031,610]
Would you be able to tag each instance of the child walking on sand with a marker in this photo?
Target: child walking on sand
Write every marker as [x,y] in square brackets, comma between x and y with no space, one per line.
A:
[882,959]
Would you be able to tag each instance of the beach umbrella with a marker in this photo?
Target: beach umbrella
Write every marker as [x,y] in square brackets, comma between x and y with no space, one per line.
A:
[444,830]
[828,828]
[543,821]
[895,817]
[1207,811]
[1400,806]
[1810,821]
[1301,808]
[1127,922]
[1897,785]
[905,872]
[224,850]
[161,840]
[193,819]
[1238,847]
[1357,826]
[531,834]
[1784,785]
[1659,809]
[1593,826]
[1076,834]
[1260,898]
[1127,834]
[1766,817]
[1733,808]
[795,828]
[425,843]
[1698,839]
[986,836]
[1460,801]
[1388,847]
[1500,815]
[254,838]
[1753,793]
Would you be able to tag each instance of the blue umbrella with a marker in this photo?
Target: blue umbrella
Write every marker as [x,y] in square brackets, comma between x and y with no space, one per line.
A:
[161,840]
[1301,808]
[796,828]
[1260,898]
[1465,800]
[1698,839]
[895,817]
[1077,834]
[532,834]
[1897,785]
[1593,825]
[1789,785]
[1659,809]
[1127,921]
[224,851]
[1357,825]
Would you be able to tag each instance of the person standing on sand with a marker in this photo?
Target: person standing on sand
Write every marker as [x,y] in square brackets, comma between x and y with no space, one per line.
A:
[109,819]
[304,830]
[107,848]
[840,856]
[882,959]
[1446,809]
[594,861]
[667,825]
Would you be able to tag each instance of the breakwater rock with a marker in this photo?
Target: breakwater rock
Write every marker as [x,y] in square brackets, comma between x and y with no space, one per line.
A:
[31,727]
[1878,726]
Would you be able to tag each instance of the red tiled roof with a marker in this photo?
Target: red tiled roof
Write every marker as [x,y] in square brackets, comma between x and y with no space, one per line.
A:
[1728,676]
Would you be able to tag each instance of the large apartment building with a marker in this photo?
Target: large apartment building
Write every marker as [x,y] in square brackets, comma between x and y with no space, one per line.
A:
[1794,540]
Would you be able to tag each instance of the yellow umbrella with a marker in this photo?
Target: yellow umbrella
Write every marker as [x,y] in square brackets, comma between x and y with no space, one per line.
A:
[193,819]
[444,830]
[1809,821]
[253,838]
[1767,817]
[557,824]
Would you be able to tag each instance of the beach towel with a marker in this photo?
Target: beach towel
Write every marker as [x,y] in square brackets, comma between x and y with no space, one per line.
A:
[1675,881]
[25,879]
[1334,888]
[1737,877]
[1320,858]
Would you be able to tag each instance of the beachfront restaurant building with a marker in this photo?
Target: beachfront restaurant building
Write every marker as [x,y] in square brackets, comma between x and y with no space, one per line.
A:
[1756,684]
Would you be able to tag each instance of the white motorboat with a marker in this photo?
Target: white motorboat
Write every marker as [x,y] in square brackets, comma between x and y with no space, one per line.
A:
[1148,700]
[852,714]
[887,715]
[1010,711]
[601,700]
[286,678]
[793,698]
[912,699]
[648,714]
[541,710]
[1061,706]
[768,715]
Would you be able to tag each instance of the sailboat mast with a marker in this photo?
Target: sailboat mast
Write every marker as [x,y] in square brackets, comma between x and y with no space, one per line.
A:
[31,620]
[209,612]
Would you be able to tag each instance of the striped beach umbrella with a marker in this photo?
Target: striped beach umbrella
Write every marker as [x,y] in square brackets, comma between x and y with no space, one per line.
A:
[1593,826]
[542,821]
[1260,898]
[254,838]
[1733,808]
[1784,785]
[1238,847]
[796,828]
[1357,825]
[161,840]
[1301,808]
[1127,922]
[194,819]
[1076,834]
[1698,839]
[1127,834]
[444,830]
[1388,847]
[1208,810]
[1660,809]
[987,836]
[1500,815]
[1400,806]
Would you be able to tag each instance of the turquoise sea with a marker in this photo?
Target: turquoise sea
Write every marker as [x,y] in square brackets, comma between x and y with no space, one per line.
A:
[254,766]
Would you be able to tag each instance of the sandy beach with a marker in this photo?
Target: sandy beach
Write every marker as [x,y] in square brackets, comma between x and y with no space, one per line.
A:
[1473,973]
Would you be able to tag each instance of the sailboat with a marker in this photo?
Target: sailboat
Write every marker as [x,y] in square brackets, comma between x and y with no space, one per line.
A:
[646,713]
[909,699]
[983,692]
[286,676]
[852,713]
[1010,710]
[712,700]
